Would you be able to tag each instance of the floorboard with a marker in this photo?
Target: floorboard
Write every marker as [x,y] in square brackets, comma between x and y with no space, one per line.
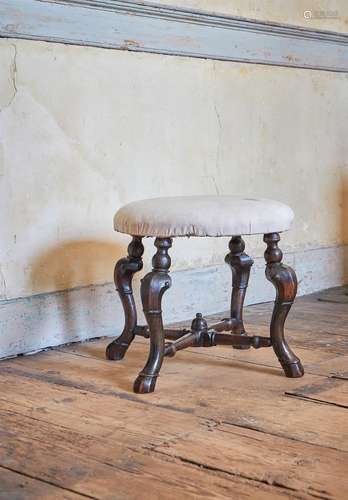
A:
[17,486]
[222,423]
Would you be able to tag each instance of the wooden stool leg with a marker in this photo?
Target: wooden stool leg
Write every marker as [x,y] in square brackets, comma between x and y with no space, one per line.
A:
[123,275]
[153,286]
[285,282]
[240,264]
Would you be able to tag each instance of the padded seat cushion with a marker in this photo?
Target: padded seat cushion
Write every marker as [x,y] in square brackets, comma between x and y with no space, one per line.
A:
[203,216]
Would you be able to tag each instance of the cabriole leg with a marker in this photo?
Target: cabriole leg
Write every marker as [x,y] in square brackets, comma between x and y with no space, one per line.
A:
[285,282]
[123,275]
[240,264]
[153,286]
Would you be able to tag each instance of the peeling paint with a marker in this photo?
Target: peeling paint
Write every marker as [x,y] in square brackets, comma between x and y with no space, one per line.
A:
[130,43]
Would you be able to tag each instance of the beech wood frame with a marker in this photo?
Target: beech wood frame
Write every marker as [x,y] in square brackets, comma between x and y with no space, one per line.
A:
[156,282]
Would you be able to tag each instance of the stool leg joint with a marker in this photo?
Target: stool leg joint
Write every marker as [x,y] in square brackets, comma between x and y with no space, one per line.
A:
[285,282]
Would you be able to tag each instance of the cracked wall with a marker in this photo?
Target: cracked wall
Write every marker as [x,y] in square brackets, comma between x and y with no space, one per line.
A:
[84,130]
[8,83]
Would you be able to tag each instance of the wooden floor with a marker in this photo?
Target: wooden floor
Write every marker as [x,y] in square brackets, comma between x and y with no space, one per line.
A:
[222,424]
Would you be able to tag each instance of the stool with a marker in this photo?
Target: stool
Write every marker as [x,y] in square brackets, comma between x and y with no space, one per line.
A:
[211,216]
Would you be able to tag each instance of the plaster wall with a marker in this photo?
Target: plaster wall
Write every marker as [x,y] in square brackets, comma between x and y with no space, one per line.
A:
[84,130]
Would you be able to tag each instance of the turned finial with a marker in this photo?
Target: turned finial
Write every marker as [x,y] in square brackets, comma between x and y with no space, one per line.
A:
[161,260]
[236,245]
[199,323]
[135,247]
[273,254]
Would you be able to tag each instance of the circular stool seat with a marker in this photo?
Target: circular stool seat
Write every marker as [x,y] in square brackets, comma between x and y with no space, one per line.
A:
[203,216]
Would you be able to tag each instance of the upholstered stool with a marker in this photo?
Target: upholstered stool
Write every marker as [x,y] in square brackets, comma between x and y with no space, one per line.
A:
[167,218]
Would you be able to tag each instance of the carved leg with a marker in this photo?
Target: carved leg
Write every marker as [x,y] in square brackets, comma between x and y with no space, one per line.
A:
[285,281]
[123,275]
[153,286]
[240,264]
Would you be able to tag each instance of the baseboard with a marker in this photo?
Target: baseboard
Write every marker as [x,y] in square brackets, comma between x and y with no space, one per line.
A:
[34,323]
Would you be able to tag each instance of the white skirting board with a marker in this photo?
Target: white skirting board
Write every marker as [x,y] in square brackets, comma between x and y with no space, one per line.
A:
[33,323]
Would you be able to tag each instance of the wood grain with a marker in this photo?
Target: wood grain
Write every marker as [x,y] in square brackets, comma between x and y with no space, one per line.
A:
[222,424]
[331,391]
[16,486]
[101,469]
[267,409]
[290,464]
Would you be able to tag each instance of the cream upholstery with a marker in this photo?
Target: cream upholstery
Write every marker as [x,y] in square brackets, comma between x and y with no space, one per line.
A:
[203,216]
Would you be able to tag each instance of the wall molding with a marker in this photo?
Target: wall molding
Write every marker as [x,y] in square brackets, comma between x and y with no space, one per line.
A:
[146,27]
[34,323]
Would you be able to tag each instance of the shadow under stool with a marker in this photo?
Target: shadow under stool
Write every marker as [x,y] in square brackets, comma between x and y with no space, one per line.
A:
[201,216]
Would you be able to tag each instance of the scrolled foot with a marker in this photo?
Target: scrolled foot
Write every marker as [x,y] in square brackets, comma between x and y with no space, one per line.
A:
[144,384]
[116,351]
[293,370]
